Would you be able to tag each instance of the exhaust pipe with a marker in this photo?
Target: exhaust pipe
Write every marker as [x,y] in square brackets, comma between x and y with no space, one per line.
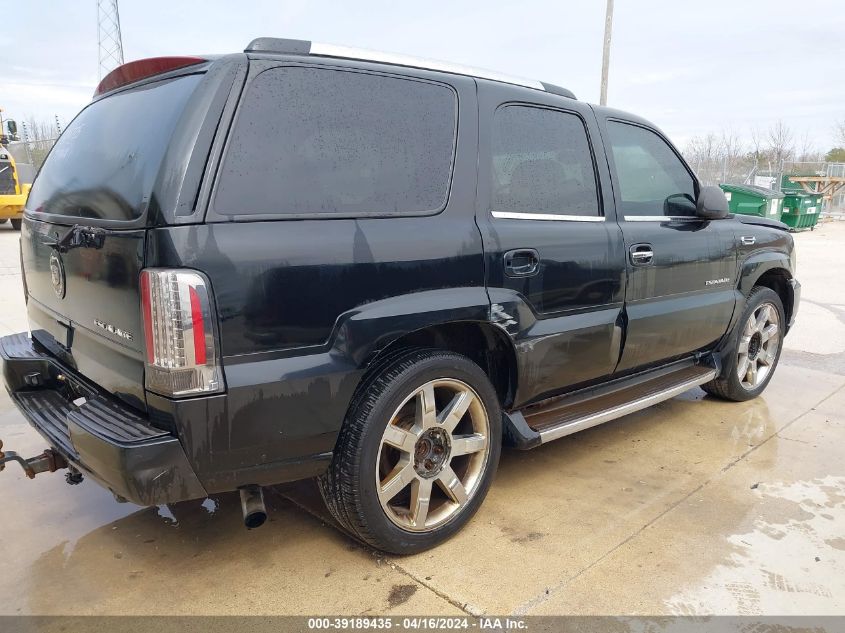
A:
[252,504]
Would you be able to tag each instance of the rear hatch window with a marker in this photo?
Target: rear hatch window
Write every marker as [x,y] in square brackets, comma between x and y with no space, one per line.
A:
[105,164]
[81,260]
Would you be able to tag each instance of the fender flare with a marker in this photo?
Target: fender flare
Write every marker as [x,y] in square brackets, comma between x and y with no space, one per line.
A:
[758,264]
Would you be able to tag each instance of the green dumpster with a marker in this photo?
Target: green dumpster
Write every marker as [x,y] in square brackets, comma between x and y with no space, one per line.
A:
[801,210]
[753,200]
[786,185]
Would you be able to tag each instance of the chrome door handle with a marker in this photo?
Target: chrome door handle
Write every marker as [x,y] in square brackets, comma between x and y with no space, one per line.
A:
[522,262]
[748,240]
[641,254]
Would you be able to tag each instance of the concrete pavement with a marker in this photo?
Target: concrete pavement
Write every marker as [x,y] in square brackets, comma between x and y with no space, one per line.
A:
[695,506]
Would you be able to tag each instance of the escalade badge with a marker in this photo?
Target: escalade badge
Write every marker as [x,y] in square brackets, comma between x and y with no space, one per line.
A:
[57,275]
[108,327]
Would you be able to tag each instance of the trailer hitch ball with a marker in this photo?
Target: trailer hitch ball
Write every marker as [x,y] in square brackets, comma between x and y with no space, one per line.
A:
[12,456]
[48,461]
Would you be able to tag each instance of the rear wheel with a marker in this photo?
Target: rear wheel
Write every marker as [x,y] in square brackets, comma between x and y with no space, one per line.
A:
[417,453]
[16,224]
[757,344]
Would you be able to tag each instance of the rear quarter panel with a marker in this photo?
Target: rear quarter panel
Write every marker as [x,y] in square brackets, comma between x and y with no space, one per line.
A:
[304,304]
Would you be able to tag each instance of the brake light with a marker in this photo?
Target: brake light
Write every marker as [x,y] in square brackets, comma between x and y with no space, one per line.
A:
[143,68]
[181,345]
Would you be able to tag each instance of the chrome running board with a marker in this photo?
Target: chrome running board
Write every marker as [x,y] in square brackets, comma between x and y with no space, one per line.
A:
[564,418]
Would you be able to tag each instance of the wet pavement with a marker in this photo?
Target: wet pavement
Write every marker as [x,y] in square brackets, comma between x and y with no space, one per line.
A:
[695,506]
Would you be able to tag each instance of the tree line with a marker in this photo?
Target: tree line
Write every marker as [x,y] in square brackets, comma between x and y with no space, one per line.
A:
[727,157]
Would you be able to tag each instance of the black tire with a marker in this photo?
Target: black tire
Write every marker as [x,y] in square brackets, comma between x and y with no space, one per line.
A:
[728,386]
[349,487]
[16,224]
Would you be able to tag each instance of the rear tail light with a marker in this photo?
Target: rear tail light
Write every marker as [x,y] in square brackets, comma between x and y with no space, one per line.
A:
[182,356]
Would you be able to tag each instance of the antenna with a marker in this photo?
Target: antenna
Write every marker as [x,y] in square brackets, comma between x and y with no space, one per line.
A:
[109,40]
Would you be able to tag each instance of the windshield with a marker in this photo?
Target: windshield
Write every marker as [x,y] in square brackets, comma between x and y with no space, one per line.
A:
[105,164]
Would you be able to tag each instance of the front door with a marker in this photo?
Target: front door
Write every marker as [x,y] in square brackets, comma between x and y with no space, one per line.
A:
[681,285]
[555,263]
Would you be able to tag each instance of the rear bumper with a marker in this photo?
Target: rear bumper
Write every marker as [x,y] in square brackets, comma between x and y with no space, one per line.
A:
[99,435]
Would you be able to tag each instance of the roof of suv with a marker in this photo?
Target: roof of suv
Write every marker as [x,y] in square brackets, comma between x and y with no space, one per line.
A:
[306,47]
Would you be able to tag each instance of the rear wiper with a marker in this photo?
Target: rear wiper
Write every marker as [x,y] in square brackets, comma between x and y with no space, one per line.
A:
[78,237]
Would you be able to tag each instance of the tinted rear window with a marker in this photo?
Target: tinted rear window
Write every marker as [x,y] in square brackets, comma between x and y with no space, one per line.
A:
[542,163]
[105,163]
[310,140]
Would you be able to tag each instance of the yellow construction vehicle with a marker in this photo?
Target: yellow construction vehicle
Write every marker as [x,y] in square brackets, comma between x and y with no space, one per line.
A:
[13,194]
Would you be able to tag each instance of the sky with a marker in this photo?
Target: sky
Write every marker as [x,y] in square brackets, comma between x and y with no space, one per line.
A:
[689,67]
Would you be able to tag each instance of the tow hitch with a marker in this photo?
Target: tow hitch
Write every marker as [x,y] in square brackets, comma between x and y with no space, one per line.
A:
[47,462]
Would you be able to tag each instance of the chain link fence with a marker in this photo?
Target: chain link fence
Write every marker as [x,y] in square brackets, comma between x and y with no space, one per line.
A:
[29,156]
[716,170]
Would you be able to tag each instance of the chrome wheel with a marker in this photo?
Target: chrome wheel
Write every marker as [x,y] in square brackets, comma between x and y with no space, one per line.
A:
[433,454]
[758,346]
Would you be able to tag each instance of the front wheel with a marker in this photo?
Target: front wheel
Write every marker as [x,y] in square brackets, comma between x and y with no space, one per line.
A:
[417,453]
[16,224]
[756,346]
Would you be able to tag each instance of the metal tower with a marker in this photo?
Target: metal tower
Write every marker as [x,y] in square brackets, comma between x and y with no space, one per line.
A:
[108,36]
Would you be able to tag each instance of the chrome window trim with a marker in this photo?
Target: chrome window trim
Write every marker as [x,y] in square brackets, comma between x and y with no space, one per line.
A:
[662,218]
[510,215]
[347,52]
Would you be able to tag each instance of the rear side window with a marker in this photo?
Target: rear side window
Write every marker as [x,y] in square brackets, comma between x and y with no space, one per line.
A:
[318,141]
[652,179]
[542,163]
[105,163]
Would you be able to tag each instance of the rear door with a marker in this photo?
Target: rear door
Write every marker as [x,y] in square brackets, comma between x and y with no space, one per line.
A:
[82,245]
[680,293]
[555,261]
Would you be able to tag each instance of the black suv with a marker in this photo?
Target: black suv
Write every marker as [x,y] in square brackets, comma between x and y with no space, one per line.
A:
[311,261]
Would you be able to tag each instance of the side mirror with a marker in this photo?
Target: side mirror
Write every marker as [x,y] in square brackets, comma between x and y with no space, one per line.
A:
[12,127]
[711,204]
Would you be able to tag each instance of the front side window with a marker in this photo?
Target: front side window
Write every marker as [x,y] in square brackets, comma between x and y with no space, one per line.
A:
[313,140]
[652,179]
[542,163]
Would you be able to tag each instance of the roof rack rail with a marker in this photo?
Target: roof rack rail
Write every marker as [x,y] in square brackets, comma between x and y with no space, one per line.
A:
[306,47]
[558,90]
[278,45]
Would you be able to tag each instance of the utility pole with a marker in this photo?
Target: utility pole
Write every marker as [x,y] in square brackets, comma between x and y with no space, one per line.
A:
[605,60]
[109,39]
